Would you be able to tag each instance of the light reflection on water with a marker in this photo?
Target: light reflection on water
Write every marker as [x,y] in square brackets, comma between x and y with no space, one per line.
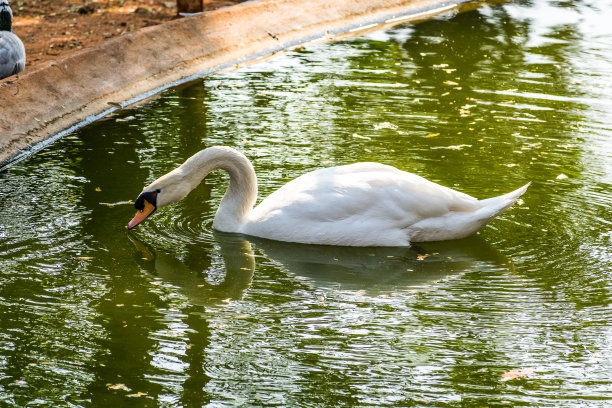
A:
[173,314]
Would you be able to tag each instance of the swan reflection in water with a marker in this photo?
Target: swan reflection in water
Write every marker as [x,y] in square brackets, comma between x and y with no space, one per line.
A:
[371,271]
[235,270]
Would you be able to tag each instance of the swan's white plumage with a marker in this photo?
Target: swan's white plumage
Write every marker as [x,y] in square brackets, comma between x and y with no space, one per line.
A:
[359,204]
[362,204]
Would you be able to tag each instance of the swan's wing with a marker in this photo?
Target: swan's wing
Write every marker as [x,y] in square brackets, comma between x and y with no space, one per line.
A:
[362,195]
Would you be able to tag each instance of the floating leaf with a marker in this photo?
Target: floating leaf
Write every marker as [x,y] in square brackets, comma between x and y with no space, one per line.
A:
[121,387]
[455,147]
[137,395]
[117,203]
[513,374]
[433,135]
[98,189]
[85,258]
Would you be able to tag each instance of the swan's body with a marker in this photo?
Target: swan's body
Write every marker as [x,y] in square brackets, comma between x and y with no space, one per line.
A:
[12,51]
[362,204]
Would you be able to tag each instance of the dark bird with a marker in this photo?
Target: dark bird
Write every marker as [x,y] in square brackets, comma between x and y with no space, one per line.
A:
[12,51]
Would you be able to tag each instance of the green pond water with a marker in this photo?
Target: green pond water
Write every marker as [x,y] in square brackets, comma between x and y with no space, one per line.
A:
[174,314]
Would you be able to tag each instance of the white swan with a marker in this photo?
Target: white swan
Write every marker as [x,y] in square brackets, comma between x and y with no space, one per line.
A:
[362,204]
[12,52]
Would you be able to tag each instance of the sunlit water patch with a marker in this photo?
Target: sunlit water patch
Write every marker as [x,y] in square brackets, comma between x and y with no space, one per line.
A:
[175,314]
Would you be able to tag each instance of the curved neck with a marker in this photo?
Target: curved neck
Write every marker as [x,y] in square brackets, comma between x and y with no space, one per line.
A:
[241,194]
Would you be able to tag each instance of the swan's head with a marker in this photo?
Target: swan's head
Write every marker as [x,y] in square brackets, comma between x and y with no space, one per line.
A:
[162,192]
[146,204]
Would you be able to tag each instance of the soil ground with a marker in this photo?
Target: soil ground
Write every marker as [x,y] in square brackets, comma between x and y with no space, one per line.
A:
[53,28]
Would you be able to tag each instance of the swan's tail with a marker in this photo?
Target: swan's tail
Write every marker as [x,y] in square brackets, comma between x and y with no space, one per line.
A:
[492,207]
[460,224]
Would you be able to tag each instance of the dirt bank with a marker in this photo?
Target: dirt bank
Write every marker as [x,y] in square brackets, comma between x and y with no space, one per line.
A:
[53,28]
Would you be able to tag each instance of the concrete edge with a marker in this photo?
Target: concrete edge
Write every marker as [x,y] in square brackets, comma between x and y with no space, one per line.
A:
[57,98]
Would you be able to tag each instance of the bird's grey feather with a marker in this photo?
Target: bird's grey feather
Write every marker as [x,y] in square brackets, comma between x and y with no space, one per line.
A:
[12,51]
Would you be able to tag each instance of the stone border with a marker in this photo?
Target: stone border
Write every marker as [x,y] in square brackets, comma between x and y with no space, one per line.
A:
[58,97]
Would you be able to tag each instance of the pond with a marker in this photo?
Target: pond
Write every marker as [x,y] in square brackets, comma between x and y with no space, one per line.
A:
[175,314]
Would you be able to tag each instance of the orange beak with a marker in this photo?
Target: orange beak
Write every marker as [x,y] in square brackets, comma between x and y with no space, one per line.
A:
[142,214]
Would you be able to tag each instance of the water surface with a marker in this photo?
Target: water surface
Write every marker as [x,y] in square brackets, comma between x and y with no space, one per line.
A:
[174,314]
